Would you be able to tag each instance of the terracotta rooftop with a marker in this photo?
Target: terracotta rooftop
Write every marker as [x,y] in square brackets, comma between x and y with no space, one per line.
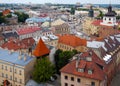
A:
[6,12]
[27,30]
[96,22]
[17,44]
[98,73]
[104,32]
[72,40]
[41,49]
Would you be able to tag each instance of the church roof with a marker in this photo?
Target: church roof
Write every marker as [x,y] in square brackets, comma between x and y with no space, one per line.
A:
[41,49]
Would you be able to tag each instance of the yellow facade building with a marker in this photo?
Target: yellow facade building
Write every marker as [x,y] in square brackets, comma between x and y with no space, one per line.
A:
[15,67]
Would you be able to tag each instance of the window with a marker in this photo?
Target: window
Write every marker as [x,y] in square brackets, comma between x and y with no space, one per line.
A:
[6,76]
[10,69]
[15,71]
[2,67]
[15,79]
[105,18]
[66,84]
[10,77]
[89,71]
[5,67]
[72,78]
[109,19]
[80,70]
[2,74]
[20,72]
[20,80]
[92,83]
[78,80]
[66,77]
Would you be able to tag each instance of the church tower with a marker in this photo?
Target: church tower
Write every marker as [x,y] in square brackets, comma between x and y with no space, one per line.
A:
[91,12]
[110,18]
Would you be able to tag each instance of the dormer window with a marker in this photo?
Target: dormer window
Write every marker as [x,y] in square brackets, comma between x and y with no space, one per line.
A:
[89,59]
[80,70]
[90,71]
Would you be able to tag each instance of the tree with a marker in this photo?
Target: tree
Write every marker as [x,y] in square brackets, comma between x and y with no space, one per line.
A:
[44,69]
[22,16]
[100,15]
[9,16]
[2,19]
[62,58]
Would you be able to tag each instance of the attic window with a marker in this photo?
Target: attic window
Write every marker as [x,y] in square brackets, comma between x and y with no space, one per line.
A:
[90,71]
[80,70]
[88,58]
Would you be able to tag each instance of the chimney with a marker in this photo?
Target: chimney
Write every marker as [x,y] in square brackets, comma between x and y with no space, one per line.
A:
[25,57]
[10,52]
[20,57]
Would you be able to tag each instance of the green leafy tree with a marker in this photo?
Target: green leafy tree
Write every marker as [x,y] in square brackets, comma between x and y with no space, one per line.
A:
[22,16]
[9,16]
[1,14]
[62,58]
[100,15]
[44,69]
[2,19]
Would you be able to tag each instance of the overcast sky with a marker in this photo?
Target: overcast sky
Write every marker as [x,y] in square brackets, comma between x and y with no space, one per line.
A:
[62,1]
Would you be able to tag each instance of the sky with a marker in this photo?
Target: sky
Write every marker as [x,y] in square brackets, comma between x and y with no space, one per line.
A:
[62,1]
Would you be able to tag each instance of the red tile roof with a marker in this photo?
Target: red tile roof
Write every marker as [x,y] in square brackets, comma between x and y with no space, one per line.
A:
[27,30]
[83,64]
[96,22]
[97,74]
[17,44]
[72,40]
[41,49]
[6,12]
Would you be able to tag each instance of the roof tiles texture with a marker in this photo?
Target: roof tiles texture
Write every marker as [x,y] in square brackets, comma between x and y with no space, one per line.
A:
[17,44]
[72,40]
[41,49]
[27,30]
[97,74]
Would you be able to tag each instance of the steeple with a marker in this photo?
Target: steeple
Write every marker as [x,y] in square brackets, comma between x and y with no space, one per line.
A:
[110,7]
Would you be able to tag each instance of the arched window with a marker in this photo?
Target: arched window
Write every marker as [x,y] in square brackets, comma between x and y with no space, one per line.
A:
[105,18]
[109,19]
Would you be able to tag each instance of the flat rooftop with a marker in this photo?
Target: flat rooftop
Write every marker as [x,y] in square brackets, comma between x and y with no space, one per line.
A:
[13,57]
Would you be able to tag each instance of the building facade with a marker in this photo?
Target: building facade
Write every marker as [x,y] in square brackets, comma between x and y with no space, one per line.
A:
[16,67]
[84,70]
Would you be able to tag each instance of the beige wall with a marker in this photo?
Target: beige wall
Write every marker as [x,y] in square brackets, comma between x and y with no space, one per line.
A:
[70,48]
[84,81]
[64,47]
[88,28]
[29,68]
[53,43]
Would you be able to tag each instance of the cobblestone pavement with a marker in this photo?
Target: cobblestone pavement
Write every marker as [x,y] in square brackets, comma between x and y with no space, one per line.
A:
[116,80]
